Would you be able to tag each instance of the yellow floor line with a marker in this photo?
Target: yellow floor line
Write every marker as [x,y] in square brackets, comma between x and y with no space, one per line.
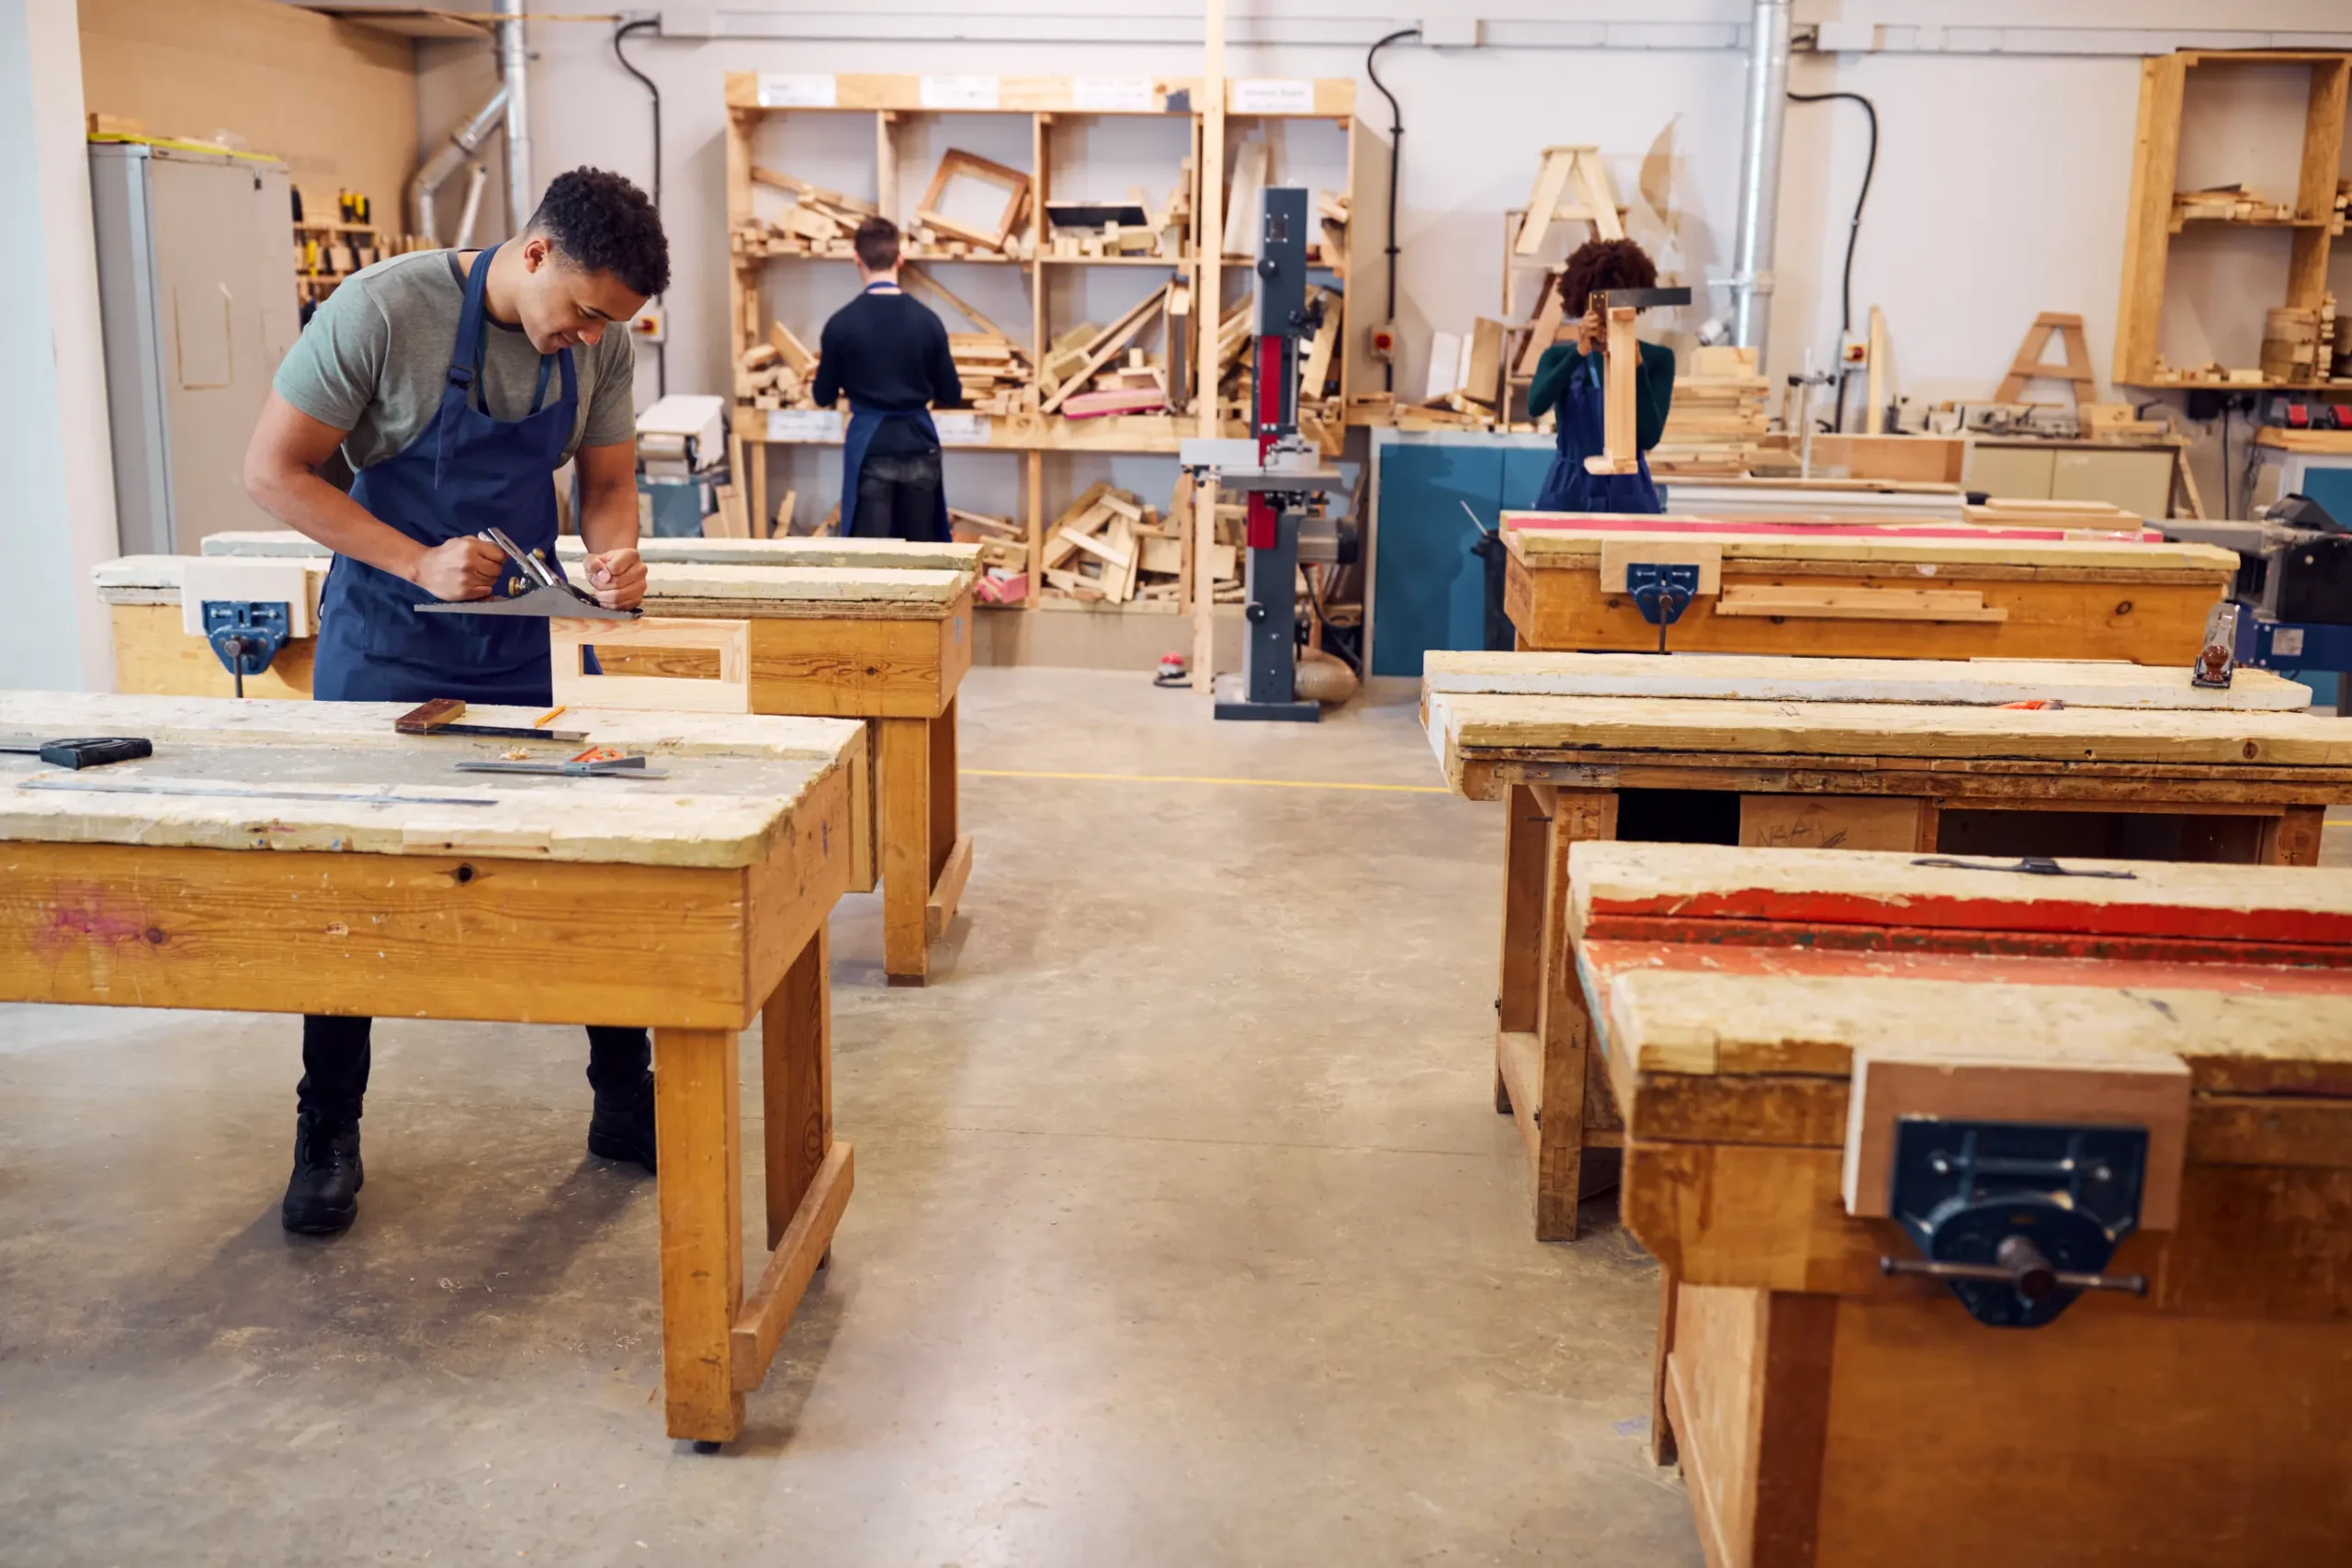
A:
[1191,779]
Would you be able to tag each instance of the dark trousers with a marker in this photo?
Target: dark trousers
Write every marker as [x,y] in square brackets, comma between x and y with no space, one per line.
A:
[897,496]
[335,1058]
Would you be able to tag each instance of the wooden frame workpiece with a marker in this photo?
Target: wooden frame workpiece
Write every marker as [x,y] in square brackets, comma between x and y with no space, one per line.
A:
[1827,1416]
[1910,591]
[1914,755]
[691,913]
[869,629]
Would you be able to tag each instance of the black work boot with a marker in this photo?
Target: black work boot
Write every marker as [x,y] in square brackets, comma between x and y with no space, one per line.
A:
[323,1197]
[621,1127]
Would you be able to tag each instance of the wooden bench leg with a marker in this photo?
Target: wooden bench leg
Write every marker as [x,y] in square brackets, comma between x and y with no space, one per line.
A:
[1563,1027]
[1520,990]
[905,756]
[1662,1446]
[809,1174]
[951,851]
[697,1123]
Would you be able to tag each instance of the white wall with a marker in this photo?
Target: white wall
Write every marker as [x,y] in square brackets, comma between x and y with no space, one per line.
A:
[58,521]
[2000,189]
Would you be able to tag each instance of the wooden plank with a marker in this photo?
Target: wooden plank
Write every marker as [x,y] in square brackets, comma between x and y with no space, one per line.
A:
[853,669]
[1863,822]
[727,690]
[939,910]
[1559,539]
[796,1081]
[2156,1440]
[1551,182]
[698,1121]
[1563,1025]
[1809,604]
[2049,617]
[804,1247]
[1566,725]
[1983,682]
[2156,158]
[1620,453]
[904,745]
[1111,344]
[1994,1081]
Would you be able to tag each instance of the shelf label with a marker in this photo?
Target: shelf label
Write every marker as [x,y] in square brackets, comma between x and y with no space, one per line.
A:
[960,92]
[957,429]
[1114,94]
[795,90]
[1272,94]
[803,424]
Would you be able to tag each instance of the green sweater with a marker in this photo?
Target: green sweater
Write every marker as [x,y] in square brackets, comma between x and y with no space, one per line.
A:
[1653,386]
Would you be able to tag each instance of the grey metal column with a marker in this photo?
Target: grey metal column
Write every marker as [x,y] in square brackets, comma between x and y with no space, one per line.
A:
[515,71]
[1759,173]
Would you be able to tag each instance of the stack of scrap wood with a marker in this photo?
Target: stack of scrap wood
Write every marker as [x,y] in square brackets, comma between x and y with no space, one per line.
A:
[777,373]
[1716,423]
[819,223]
[2228,204]
[1004,555]
[1108,547]
[1087,230]
[995,381]
[2299,345]
[1091,371]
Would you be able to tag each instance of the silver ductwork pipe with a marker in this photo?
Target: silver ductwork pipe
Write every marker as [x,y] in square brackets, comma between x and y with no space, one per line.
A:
[476,179]
[514,71]
[463,143]
[1759,173]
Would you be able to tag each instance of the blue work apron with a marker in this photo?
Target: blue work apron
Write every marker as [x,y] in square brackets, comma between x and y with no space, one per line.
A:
[864,422]
[464,473]
[1580,434]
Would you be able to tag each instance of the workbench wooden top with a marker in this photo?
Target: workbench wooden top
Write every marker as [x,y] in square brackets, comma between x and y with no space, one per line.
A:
[877,554]
[1568,542]
[1708,961]
[336,776]
[671,588]
[1973,683]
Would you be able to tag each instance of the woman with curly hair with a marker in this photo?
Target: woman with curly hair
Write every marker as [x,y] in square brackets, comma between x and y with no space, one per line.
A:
[1569,379]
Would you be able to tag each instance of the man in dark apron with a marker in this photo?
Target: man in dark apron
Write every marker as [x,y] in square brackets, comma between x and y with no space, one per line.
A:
[889,353]
[456,386]
[1570,379]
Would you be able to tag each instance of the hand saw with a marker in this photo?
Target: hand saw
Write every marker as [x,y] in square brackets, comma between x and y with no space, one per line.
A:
[549,594]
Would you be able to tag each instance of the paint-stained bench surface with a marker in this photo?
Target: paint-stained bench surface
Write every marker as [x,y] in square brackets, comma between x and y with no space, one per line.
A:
[1890,591]
[1828,1414]
[297,857]
[1920,755]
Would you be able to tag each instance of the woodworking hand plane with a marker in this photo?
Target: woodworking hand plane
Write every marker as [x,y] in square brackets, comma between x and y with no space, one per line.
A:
[548,595]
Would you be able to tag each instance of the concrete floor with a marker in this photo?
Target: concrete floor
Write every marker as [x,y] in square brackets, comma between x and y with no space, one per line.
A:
[1184,1232]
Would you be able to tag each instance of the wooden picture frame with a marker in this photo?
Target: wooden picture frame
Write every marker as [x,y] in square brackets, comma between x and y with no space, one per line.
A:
[958,163]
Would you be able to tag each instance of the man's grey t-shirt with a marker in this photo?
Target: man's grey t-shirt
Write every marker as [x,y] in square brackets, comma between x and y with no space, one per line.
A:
[375,360]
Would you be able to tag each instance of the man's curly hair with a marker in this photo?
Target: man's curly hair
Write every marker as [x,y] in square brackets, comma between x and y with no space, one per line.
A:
[600,222]
[1604,264]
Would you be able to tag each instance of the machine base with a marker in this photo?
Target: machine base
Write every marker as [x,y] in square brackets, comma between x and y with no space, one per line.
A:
[1232,701]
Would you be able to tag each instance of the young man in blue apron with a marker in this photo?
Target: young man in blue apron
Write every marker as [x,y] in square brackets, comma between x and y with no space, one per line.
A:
[889,353]
[455,386]
[1570,379]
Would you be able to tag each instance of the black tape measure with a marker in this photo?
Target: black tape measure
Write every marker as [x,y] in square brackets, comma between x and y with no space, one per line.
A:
[91,752]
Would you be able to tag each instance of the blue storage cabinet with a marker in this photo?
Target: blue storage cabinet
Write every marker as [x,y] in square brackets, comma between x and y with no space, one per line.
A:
[1428,589]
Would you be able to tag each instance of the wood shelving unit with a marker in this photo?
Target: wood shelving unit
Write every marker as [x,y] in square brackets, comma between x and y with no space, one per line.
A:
[920,116]
[2165,83]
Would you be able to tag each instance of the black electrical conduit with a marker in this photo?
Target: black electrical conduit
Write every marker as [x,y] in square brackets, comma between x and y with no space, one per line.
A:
[660,350]
[1395,146]
[1854,229]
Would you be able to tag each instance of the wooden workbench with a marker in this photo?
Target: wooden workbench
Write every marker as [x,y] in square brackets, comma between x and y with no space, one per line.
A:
[1827,1415]
[278,857]
[1897,754]
[874,629]
[1896,590]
